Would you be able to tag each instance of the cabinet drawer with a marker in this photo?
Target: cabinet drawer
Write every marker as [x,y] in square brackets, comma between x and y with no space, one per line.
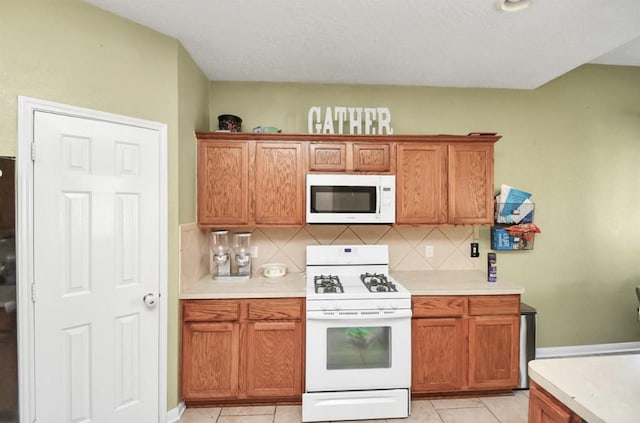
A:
[210,310]
[494,304]
[274,309]
[439,306]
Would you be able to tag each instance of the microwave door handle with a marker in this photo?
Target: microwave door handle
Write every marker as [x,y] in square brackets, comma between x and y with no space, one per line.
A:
[379,199]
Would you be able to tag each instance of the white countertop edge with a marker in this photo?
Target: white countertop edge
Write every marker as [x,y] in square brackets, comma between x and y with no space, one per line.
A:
[598,388]
[468,291]
[430,283]
[563,397]
[236,295]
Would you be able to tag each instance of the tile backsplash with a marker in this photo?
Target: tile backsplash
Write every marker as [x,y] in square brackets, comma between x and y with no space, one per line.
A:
[407,246]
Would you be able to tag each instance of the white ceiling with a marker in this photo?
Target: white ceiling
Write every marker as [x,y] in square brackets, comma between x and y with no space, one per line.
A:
[445,43]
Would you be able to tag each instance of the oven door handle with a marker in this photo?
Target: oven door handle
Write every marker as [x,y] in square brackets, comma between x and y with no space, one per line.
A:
[358,314]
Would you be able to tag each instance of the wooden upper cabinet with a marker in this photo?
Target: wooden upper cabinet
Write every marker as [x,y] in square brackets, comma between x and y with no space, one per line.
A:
[279,184]
[350,157]
[470,183]
[373,157]
[247,179]
[445,183]
[249,183]
[421,183]
[328,157]
[223,183]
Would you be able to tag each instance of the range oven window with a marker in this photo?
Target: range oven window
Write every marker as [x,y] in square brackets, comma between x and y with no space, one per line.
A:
[343,199]
[359,348]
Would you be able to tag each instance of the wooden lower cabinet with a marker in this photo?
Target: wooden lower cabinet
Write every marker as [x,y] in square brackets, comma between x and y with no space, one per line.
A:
[210,360]
[256,354]
[465,343]
[272,349]
[493,351]
[433,369]
[544,408]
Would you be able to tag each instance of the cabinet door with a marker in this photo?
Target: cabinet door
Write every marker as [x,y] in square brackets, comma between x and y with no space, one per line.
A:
[421,184]
[210,360]
[544,408]
[438,355]
[274,359]
[371,157]
[471,183]
[327,157]
[279,184]
[223,183]
[493,351]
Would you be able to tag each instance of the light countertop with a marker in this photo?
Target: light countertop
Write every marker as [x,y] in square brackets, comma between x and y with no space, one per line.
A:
[291,285]
[600,389]
[453,282]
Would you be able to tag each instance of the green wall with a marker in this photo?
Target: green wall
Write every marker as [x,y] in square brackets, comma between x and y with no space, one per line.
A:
[574,143]
[193,108]
[193,114]
[70,52]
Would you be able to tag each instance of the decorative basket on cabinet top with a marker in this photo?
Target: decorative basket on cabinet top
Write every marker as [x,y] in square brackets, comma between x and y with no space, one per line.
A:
[229,123]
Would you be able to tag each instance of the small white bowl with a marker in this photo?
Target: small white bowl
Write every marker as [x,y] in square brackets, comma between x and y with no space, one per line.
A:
[273,270]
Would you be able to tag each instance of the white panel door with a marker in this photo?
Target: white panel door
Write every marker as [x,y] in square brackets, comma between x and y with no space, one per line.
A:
[96,256]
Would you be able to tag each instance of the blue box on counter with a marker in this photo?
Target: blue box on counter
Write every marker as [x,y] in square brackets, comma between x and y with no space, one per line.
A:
[501,240]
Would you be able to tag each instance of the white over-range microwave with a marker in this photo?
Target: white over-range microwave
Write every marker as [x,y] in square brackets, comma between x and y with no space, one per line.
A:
[350,199]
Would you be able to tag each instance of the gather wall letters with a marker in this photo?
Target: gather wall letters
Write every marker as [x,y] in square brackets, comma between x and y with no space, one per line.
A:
[355,120]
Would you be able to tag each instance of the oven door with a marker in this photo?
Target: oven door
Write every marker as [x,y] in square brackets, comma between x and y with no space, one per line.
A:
[353,350]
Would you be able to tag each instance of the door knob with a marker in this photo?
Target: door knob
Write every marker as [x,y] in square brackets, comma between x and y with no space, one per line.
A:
[149,300]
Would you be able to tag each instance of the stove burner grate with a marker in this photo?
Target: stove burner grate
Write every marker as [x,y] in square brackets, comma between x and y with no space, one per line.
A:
[328,284]
[377,282]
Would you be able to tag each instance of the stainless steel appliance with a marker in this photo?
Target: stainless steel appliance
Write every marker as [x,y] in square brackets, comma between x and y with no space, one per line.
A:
[527,342]
[358,342]
[351,198]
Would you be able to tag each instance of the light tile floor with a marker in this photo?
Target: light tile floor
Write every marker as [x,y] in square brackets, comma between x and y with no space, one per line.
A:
[502,409]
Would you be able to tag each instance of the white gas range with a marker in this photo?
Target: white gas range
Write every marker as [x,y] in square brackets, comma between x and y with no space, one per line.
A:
[358,342]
